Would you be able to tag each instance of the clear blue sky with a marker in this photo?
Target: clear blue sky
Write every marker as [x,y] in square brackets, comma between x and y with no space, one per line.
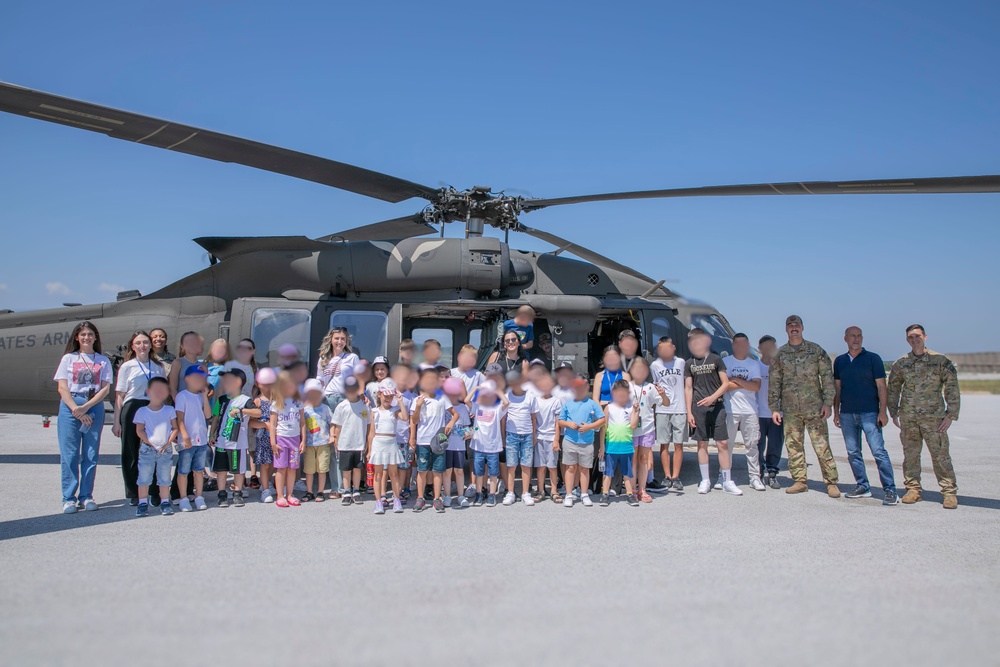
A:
[541,101]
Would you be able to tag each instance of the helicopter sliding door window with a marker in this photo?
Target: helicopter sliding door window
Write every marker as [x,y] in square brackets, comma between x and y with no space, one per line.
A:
[444,336]
[476,338]
[271,328]
[722,341]
[368,330]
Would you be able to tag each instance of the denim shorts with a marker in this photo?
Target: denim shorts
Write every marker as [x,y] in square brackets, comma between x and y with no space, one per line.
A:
[483,462]
[192,458]
[150,462]
[520,449]
[427,460]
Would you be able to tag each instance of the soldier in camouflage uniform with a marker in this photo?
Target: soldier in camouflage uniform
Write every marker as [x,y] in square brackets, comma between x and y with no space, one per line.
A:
[916,407]
[801,394]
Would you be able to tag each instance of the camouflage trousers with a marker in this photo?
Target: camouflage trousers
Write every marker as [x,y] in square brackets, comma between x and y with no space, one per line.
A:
[795,432]
[914,431]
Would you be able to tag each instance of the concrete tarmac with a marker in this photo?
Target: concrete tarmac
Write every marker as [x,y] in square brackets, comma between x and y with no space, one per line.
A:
[762,579]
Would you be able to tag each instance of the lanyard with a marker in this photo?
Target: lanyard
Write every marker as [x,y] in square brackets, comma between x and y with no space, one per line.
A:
[90,367]
[147,371]
[639,395]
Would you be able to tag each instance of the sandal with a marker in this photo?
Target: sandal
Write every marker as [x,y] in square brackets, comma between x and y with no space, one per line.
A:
[320,497]
[294,502]
[281,502]
[308,497]
[556,498]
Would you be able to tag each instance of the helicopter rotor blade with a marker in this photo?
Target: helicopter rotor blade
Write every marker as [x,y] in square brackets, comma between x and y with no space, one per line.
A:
[945,185]
[398,228]
[195,141]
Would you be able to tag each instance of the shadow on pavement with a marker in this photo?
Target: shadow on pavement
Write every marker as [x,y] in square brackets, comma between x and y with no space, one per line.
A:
[53,459]
[110,512]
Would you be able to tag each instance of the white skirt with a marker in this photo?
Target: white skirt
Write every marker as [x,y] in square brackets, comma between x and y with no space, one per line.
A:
[385,451]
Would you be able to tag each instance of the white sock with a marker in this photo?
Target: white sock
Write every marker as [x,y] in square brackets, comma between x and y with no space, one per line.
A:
[704,471]
[725,475]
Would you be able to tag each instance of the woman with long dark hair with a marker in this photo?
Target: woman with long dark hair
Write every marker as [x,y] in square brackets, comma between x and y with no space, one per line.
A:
[512,356]
[141,365]
[84,378]
[158,337]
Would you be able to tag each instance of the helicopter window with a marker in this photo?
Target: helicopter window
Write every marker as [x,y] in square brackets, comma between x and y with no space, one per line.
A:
[271,328]
[476,337]
[722,340]
[443,336]
[659,327]
[367,329]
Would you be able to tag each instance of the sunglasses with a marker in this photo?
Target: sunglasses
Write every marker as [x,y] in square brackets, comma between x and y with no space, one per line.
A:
[508,341]
[338,329]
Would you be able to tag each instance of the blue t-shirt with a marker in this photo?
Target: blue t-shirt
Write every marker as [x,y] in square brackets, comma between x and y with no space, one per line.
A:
[858,391]
[586,411]
[526,334]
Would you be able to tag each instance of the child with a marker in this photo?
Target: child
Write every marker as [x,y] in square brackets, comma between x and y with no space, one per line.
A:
[523,323]
[193,411]
[407,348]
[648,396]
[466,369]
[564,380]
[617,449]
[188,352]
[402,377]
[299,370]
[263,456]
[431,354]
[380,371]
[219,355]
[287,430]
[430,417]
[547,444]
[287,355]
[667,371]
[156,425]
[705,383]
[351,422]
[382,447]
[454,465]
[230,441]
[319,434]
[245,361]
[488,440]
[578,420]
[520,437]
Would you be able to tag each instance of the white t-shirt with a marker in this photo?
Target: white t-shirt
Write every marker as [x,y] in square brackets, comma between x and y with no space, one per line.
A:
[331,375]
[157,423]
[564,394]
[649,400]
[289,418]
[403,425]
[433,417]
[548,413]
[670,376]
[741,401]
[241,442]
[531,390]
[519,412]
[248,371]
[134,376]
[84,371]
[763,410]
[353,420]
[456,442]
[385,421]
[487,437]
[192,405]
[471,378]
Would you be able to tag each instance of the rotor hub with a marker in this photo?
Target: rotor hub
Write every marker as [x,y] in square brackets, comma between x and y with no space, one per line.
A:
[477,207]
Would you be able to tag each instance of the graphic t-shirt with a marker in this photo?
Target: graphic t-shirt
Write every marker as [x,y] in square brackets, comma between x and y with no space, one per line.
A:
[471,378]
[487,437]
[704,374]
[586,411]
[456,441]
[619,436]
[156,423]
[318,420]
[84,372]
[742,401]
[648,399]
[519,413]
[525,333]
[134,377]
[763,409]
[191,405]
[433,418]
[331,374]
[289,418]
[226,440]
[670,376]
[353,419]
[548,413]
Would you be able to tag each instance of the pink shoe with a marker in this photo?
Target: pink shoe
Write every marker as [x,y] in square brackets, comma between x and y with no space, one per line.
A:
[281,502]
[645,497]
[294,502]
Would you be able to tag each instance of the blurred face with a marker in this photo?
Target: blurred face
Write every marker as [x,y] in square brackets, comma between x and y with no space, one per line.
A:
[406,355]
[429,383]
[193,345]
[466,360]
[196,383]
[219,351]
[300,373]
[544,383]
[314,398]
[516,386]
[639,373]
[158,392]
[564,377]
[244,351]
[612,360]
[536,371]
[629,346]
[854,339]
[666,350]
[699,345]
[401,376]
[159,339]
[141,345]
[619,396]
[232,384]
[432,354]
[768,348]
[741,347]
[580,392]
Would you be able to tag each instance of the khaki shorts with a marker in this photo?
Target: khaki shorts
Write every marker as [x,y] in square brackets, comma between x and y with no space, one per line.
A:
[671,429]
[574,454]
[316,460]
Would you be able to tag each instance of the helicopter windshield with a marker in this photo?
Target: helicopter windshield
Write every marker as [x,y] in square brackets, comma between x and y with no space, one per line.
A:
[722,341]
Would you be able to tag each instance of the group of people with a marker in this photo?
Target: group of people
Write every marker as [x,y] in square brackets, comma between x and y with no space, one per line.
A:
[458,436]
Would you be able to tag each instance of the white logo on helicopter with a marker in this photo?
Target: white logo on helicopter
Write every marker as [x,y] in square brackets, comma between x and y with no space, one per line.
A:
[406,263]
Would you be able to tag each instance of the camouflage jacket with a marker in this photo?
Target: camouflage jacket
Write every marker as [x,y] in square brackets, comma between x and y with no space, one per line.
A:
[916,383]
[801,381]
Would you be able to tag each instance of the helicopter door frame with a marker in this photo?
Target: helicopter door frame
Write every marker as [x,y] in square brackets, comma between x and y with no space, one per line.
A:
[245,322]
[393,319]
[461,331]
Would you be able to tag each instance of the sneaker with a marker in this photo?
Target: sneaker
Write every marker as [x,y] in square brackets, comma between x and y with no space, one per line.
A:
[527,499]
[267,496]
[166,509]
[890,498]
[718,483]
[471,492]
[491,500]
[730,487]
[576,492]
[859,492]
[772,481]
[397,506]
[379,507]
[438,505]
[89,505]
[704,486]
[223,499]
[632,500]
[757,485]
[612,493]
[657,486]
[142,509]
[346,500]
[446,500]
[677,485]
[175,502]
[419,505]
[356,497]
[70,508]
[604,500]
[238,499]
[185,505]
[464,502]
[568,501]
[585,499]
[478,500]
[509,499]
[501,487]
[200,504]
[133,501]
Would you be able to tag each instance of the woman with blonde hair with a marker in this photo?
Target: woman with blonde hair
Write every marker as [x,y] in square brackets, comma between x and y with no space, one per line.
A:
[336,363]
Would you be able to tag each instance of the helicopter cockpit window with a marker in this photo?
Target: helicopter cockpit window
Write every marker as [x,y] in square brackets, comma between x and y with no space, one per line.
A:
[476,338]
[367,328]
[722,341]
[271,328]
[443,336]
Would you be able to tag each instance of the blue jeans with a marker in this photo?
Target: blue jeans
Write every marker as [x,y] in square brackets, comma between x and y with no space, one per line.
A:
[852,425]
[772,438]
[520,449]
[78,451]
[483,462]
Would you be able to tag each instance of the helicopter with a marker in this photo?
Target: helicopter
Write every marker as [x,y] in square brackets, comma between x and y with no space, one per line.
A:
[385,281]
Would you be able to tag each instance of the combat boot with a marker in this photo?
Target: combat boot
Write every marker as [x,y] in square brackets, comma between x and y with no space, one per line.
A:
[950,502]
[911,496]
[832,491]
[797,487]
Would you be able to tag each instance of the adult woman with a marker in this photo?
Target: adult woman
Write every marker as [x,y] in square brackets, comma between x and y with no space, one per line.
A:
[141,365]
[512,357]
[159,339]
[188,354]
[84,376]
[336,362]
[611,363]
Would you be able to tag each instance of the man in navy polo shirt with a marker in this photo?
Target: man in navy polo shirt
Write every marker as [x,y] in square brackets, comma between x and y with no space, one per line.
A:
[859,404]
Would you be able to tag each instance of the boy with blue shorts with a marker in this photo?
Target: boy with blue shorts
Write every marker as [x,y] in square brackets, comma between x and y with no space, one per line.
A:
[193,412]
[488,437]
[156,426]
[618,448]
[431,417]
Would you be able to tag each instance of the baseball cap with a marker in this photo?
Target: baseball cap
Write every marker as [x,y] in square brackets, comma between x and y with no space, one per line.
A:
[387,386]
[627,333]
[380,360]
[312,384]
[579,382]
[288,350]
[350,382]
[564,366]
[793,319]
[537,362]
[195,370]
[266,376]
[235,372]
[493,369]
[453,386]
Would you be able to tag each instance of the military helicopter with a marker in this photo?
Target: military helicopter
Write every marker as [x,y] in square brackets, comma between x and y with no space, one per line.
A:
[384,282]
